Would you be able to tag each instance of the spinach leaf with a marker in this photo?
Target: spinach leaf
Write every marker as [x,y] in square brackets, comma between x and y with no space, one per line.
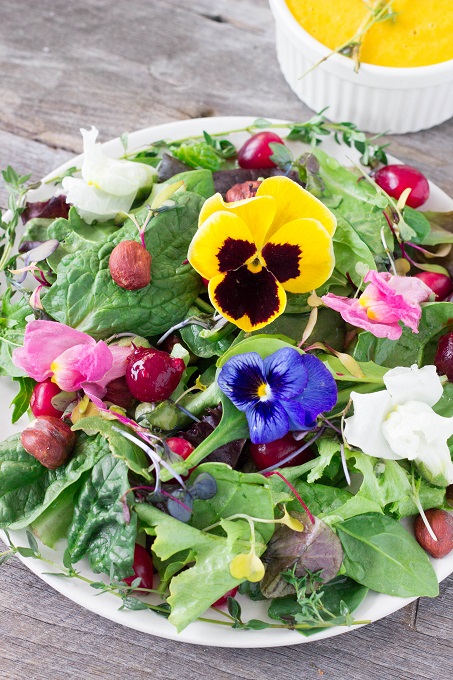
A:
[330,328]
[441,228]
[194,589]
[85,297]
[412,348]
[418,222]
[200,346]
[21,401]
[27,488]
[382,555]
[53,524]
[99,529]
[349,248]
[12,327]
[356,201]
[75,235]
[319,498]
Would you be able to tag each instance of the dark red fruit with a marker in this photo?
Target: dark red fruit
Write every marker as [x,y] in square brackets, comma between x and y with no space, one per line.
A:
[143,568]
[239,192]
[440,284]
[256,152]
[119,394]
[394,179]
[267,455]
[224,599]
[152,375]
[441,522]
[444,356]
[41,399]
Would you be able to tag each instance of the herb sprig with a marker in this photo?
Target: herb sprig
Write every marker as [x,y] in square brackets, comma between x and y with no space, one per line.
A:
[17,188]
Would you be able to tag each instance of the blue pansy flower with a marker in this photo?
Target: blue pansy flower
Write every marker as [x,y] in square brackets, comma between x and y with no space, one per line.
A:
[285,391]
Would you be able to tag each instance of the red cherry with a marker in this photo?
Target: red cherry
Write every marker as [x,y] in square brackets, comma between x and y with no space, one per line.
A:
[394,179]
[255,152]
[224,599]
[440,284]
[267,455]
[444,356]
[152,375]
[41,399]
[143,568]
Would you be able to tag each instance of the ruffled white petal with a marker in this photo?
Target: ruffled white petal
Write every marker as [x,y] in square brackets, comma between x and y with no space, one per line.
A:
[93,204]
[117,177]
[414,384]
[364,428]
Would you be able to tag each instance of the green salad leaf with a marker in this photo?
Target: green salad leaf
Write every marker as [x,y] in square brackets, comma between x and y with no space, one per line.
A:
[85,296]
[381,555]
[27,488]
[99,529]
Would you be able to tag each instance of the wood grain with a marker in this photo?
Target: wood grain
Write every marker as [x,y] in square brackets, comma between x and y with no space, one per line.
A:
[123,66]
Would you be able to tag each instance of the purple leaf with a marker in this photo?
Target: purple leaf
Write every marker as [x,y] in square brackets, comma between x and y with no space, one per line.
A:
[316,548]
[228,453]
[54,207]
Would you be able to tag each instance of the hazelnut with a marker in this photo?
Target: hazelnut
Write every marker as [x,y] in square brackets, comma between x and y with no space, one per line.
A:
[441,523]
[244,190]
[130,265]
[49,440]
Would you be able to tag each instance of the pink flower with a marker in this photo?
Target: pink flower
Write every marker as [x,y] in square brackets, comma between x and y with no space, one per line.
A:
[385,301]
[73,359]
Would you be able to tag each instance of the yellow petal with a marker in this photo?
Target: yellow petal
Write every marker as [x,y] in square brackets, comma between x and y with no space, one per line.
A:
[247,566]
[258,214]
[294,202]
[291,522]
[248,307]
[316,260]
[211,237]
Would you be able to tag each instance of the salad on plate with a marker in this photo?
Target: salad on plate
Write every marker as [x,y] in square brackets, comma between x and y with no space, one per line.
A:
[237,359]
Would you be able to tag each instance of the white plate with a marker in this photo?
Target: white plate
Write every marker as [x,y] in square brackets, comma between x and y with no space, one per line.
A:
[375,606]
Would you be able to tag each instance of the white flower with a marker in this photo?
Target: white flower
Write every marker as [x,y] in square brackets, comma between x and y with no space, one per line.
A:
[399,422]
[108,185]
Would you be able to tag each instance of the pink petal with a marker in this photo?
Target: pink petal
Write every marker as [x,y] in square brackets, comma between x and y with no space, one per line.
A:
[43,342]
[354,313]
[81,364]
[120,356]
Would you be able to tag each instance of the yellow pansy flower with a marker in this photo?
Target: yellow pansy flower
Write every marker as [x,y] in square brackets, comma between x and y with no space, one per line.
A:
[254,250]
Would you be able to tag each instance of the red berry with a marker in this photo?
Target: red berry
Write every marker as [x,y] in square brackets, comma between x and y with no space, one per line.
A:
[394,179]
[444,356]
[41,399]
[267,455]
[224,599]
[180,446]
[152,375]
[440,284]
[183,448]
[255,152]
[143,568]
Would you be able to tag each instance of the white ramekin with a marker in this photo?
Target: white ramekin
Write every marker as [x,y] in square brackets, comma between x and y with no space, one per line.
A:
[377,99]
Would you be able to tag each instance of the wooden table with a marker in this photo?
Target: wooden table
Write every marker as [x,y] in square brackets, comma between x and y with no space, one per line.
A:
[122,66]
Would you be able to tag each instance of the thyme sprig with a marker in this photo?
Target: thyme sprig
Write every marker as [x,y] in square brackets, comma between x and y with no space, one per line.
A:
[377,12]
[17,187]
[129,601]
